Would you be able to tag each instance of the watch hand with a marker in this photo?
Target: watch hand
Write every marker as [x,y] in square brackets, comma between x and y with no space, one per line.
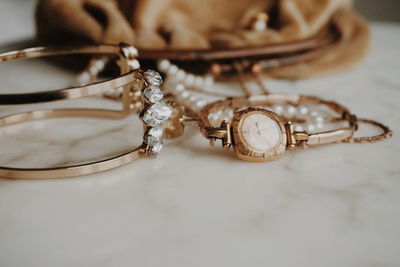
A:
[266,128]
[268,141]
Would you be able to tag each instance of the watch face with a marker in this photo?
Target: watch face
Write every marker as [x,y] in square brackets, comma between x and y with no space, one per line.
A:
[260,132]
[259,135]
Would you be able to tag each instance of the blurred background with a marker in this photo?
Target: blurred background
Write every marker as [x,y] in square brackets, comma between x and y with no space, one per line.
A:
[382,10]
[374,10]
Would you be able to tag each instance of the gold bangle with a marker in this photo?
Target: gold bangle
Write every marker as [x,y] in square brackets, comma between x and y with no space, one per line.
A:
[258,134]
[126,58]
[154,113]
[68,171]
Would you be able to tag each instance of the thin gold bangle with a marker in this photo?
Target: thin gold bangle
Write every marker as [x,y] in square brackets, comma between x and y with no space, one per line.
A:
[126,55]
[80,169]
[132,81]
[73,170]
[146,148]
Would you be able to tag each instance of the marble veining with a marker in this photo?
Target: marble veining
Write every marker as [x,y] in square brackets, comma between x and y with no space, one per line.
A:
[335,205]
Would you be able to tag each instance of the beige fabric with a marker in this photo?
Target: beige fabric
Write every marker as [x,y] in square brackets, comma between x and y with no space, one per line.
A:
[66,21]
[352,47]
[194,24]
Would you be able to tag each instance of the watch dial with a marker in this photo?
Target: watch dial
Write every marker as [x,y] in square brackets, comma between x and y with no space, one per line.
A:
[260,132]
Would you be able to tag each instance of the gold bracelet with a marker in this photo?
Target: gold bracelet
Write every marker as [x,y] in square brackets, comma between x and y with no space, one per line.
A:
[154,112]
[126,58]
[259,134]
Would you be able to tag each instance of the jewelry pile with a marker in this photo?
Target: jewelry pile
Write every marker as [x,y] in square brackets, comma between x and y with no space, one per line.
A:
[258,127]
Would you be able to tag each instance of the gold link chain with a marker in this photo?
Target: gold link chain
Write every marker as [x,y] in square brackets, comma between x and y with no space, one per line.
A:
[387,133]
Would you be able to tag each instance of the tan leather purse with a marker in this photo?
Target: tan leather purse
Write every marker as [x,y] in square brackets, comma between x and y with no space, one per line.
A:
[303,37]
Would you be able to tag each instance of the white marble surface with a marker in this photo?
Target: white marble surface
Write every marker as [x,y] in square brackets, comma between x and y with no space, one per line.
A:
[336,205]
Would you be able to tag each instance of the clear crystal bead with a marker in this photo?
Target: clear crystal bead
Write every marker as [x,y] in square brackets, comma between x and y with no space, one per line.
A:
[152,141]
[153,77]
[156,131]
[155,150]
[157,114]
[153,94]
[154,135]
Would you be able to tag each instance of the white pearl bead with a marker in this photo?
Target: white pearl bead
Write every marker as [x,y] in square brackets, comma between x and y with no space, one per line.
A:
[93,70]
[208,81]
[291,110]
[173,69]
[179,88]
[211,119]
[303,110]
[184,94]
[219,113]
[319,125]
[310,127]
[201,103]
[133,64]
[216,117]
[260,26]
[180,75]
[84,78]
[192,98]
[189,80]
[298,128]
[198,82]
[163,65]
[278,109]
[314,114]
[319,119]
[100,64]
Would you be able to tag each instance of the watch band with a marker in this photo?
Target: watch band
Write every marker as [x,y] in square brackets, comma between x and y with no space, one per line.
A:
[294,138]
[305,139]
